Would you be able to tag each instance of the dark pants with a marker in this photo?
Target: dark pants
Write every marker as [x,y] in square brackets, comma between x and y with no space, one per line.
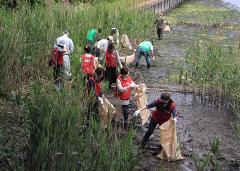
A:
[111,75]
[152,126]
[125,114]
[58,75]
[159,33]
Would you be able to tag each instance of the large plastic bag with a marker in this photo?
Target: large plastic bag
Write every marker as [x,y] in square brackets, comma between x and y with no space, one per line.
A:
[126,42]
[141,100]
[128,59]
[168,139]
[106,112]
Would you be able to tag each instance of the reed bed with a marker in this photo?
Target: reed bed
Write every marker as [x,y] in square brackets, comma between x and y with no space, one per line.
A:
[57,134]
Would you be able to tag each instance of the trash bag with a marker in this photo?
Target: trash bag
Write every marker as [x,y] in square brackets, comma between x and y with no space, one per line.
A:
[167,28]
[106,112]
[126,42]
[168,139]
[128,59]
[141,100]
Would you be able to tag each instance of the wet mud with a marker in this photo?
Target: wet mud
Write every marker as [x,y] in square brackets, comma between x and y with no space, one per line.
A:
[199,122]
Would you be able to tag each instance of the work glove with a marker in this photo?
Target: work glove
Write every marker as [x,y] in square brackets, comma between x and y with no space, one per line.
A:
[136,113]
[174,119]
[132,85]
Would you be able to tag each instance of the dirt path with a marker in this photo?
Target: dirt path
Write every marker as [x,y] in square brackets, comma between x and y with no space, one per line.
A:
[200,122]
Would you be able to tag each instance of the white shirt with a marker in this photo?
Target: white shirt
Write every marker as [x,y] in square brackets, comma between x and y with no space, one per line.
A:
[102,44]
[67,41]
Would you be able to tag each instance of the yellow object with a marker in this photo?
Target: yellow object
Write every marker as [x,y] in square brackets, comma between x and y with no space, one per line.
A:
[106,112]
[168,139]
[141,100]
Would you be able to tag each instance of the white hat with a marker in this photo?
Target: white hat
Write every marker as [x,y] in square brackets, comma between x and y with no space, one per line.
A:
[110,38]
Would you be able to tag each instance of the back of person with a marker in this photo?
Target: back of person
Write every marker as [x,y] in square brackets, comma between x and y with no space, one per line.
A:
[102,44]
[88,64]
[159,22]
[91,34]
[146,46]
[111,59]
[56,57]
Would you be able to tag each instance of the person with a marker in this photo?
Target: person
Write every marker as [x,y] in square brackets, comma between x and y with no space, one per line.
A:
[56,62]
[124,85]
[159,25]
[115,34]
[88,62]
[93,35]
[101,47]
[94,87]
[144,49]
[68,43]
[165,109]
[112,64]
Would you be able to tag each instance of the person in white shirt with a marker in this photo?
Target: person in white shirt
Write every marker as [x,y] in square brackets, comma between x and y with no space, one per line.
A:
[101,47]
[66,61]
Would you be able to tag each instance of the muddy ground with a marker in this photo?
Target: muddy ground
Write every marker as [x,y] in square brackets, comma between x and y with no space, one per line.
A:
[200,122]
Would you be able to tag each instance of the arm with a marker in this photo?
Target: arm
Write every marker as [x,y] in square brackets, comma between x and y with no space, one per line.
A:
[71,47]
[120,87]
[118,59]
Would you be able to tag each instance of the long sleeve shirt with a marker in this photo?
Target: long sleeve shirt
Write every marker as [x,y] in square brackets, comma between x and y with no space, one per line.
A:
[154,104]
[67,42]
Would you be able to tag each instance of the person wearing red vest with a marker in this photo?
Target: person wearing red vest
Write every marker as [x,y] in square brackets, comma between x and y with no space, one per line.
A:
[94,85]
[112,64]
[165,109]
[56,61]
[88,62]
[124,85]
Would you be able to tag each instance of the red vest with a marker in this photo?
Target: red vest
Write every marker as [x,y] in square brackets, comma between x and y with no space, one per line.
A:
[164,115]
[56,58]
[125,82]
[111,59]
[97,86]
[88,64]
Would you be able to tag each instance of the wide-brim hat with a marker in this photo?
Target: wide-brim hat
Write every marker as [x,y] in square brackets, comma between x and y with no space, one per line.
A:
[110,38]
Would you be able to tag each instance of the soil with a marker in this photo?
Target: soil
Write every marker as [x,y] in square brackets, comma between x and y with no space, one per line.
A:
[199,122]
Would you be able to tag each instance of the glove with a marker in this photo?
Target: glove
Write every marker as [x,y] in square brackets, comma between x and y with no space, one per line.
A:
[174,119]
[132,85]
[136,113]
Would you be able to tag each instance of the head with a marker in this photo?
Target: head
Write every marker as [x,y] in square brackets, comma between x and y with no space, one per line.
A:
[165,97]
[110,39]
[111,47]
[124,72]
[87,49]
[66,32]
[100,73]
[113,31]
[99,30]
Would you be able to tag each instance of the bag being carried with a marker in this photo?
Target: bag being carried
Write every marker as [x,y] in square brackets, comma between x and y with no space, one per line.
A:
[141,100]
[168,139]
[56,57]
[106,112]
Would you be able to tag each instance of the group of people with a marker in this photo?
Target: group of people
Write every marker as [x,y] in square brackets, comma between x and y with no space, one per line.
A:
[105,52]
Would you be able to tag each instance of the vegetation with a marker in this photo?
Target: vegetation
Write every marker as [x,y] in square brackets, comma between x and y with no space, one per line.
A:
[55,133]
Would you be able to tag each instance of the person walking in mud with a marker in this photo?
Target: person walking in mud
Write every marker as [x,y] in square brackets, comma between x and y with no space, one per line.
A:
[165,109]
[144,49]
[124,85]
[159,25]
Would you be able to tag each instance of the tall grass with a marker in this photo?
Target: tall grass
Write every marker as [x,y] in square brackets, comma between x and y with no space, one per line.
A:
[57,135]
[214,73]
[60,138]
[28,34]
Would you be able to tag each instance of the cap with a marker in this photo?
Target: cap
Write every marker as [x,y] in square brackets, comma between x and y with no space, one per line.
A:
[165,97]
[110,38]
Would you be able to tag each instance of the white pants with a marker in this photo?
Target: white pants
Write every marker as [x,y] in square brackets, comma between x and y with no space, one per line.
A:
[67,67]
